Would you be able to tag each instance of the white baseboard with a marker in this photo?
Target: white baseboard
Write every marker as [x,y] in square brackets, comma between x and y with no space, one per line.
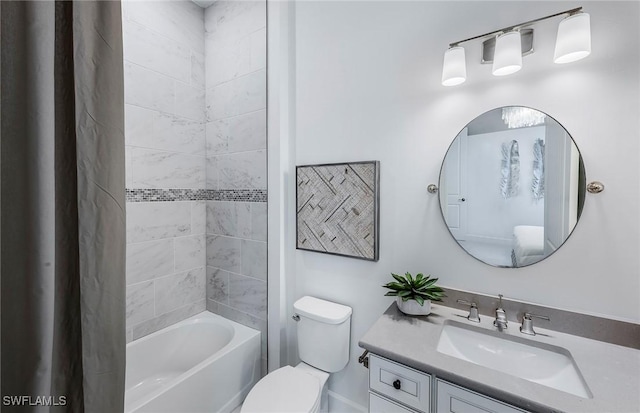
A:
[340,404]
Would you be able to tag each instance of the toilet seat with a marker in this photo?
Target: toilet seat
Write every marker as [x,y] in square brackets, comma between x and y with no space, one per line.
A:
[284,390]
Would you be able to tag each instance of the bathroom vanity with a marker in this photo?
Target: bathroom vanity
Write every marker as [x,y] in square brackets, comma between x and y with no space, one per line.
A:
[429,364]
[394,386]
[457,361]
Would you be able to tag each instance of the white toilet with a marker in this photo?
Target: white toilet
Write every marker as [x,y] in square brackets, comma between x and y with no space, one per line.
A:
[323,345]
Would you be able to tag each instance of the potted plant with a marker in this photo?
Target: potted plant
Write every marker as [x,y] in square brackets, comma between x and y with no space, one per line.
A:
[414,295]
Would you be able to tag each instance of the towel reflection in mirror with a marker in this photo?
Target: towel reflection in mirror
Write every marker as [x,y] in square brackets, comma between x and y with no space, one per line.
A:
[510,182]
[537,183]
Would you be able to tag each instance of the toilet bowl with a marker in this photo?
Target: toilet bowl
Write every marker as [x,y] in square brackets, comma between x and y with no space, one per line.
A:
[300,389]
[324,333]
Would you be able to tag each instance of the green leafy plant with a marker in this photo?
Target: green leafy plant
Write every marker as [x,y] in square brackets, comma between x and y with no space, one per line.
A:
[419,288]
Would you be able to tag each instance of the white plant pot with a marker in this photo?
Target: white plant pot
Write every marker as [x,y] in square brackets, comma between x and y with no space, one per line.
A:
[412,307]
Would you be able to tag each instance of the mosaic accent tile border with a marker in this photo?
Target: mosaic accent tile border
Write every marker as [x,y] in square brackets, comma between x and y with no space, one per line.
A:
[237,195]
[167,195]
[163,195]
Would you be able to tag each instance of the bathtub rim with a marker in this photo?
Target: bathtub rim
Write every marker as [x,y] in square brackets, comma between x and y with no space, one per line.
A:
[241,334]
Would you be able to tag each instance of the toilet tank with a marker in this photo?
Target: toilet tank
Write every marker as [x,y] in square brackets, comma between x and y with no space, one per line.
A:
[324,333]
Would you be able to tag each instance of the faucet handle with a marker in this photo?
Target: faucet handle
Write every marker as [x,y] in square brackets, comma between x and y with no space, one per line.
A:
[501,316]
[527,323]
[542,317]
[473,310]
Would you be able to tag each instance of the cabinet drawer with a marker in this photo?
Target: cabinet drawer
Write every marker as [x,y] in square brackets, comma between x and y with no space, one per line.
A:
[454,399]
[378,404]
[401,383]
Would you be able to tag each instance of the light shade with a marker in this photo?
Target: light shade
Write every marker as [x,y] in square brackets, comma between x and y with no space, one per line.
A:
[574,38]
[507,58]
[454,68]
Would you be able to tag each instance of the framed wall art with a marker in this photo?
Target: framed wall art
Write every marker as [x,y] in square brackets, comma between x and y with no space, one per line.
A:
[338,209]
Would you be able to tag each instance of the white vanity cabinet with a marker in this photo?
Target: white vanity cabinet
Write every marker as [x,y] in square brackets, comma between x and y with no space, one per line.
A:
[396,388]
[379,404]
[400,383]
[451,398]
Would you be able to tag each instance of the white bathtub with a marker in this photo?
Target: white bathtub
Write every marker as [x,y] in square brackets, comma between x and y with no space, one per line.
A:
[205,363]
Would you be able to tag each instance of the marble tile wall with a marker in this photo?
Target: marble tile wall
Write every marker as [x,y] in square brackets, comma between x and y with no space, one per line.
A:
[236,95]
[165,149]
[164,94]
[166,257]
[235,131]
[237,262]
[195,127]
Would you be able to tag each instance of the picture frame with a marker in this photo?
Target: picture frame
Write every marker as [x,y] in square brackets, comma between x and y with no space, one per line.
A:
[338,209]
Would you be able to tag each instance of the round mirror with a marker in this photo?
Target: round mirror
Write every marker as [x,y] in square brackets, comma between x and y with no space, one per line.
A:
[512,186]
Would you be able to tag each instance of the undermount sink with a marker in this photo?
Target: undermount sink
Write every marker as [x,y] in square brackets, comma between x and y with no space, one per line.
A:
[540,363]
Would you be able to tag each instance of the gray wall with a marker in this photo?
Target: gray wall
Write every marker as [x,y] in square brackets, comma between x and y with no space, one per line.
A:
[235,43]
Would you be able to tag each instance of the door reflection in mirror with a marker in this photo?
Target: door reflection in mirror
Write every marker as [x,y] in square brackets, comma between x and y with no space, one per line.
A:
[511,191]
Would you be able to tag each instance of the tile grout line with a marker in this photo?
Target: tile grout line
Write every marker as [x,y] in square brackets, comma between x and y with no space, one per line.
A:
[211,234]
[160,34]
[251,112]
[237,273]
[224,82]
[173,242]
[163,112]
[239,311]
[168,312]
[236,152]
[181,272]
[149,148]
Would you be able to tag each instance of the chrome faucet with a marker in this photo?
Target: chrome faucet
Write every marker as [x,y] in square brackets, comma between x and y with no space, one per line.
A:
[473,310]
[501,316]
[527,323]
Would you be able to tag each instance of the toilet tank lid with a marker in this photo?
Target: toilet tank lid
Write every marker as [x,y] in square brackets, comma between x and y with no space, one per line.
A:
[322,310]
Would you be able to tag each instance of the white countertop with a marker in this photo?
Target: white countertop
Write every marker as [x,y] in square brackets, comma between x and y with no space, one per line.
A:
[612,372]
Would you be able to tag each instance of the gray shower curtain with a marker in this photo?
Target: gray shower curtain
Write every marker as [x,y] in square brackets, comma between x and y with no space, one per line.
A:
[62,207]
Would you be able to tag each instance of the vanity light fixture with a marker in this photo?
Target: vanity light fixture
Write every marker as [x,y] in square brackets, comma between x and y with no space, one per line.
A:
[574,38]
[507,58]
[454,68]
[505,47]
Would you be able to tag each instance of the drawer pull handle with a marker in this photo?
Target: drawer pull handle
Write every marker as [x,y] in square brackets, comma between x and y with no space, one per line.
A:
[397,384]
